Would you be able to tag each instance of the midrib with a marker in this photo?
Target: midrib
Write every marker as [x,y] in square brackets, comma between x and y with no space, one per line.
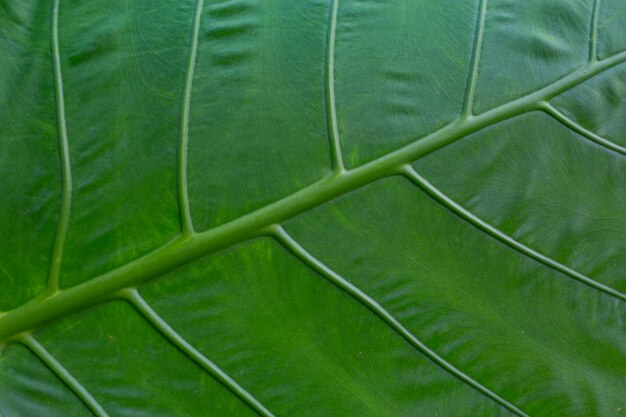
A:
[187,248]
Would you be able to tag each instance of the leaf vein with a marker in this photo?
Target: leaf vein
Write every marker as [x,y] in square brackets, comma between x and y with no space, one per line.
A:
[316,265]
[183,145]
[331,107]
[472,78]
[63,374]
[577,128]
[165,330]
[485,227]
[66,169]
[593,35]
[186,248]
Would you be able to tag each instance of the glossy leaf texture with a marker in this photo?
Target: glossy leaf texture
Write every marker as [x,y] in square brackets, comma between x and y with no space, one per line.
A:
[322,208]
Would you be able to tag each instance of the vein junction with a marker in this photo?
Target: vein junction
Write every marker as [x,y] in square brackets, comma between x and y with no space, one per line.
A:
[188,247]
[16,325]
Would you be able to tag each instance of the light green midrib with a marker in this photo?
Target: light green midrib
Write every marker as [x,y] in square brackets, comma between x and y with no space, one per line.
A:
[187,248]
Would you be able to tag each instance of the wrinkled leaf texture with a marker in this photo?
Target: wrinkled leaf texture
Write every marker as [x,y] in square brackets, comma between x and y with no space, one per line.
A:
[313,208]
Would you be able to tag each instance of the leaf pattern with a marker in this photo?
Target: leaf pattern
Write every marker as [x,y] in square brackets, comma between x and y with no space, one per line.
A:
[312,208]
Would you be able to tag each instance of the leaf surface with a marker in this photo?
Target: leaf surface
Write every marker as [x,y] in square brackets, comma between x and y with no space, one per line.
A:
[312,208]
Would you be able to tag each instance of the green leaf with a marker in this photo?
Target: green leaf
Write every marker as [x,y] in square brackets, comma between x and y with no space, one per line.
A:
[313,208]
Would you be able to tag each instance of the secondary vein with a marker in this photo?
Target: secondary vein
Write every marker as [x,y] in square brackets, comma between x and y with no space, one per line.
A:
[183,145]
[50,361]
[466,215]
[331,107]
[66,169]
[472,79]
[316,265]
[184,248]
[151,316]
[572,125]
[593,35]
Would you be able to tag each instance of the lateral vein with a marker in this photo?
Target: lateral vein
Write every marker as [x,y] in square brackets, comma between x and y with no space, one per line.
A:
[593,35]
[331,107]
[485,227]
[66,168]
[472,78]
[316,265]
[151,316]
[183,145]
[572,125]
[187,248]
[63,374]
